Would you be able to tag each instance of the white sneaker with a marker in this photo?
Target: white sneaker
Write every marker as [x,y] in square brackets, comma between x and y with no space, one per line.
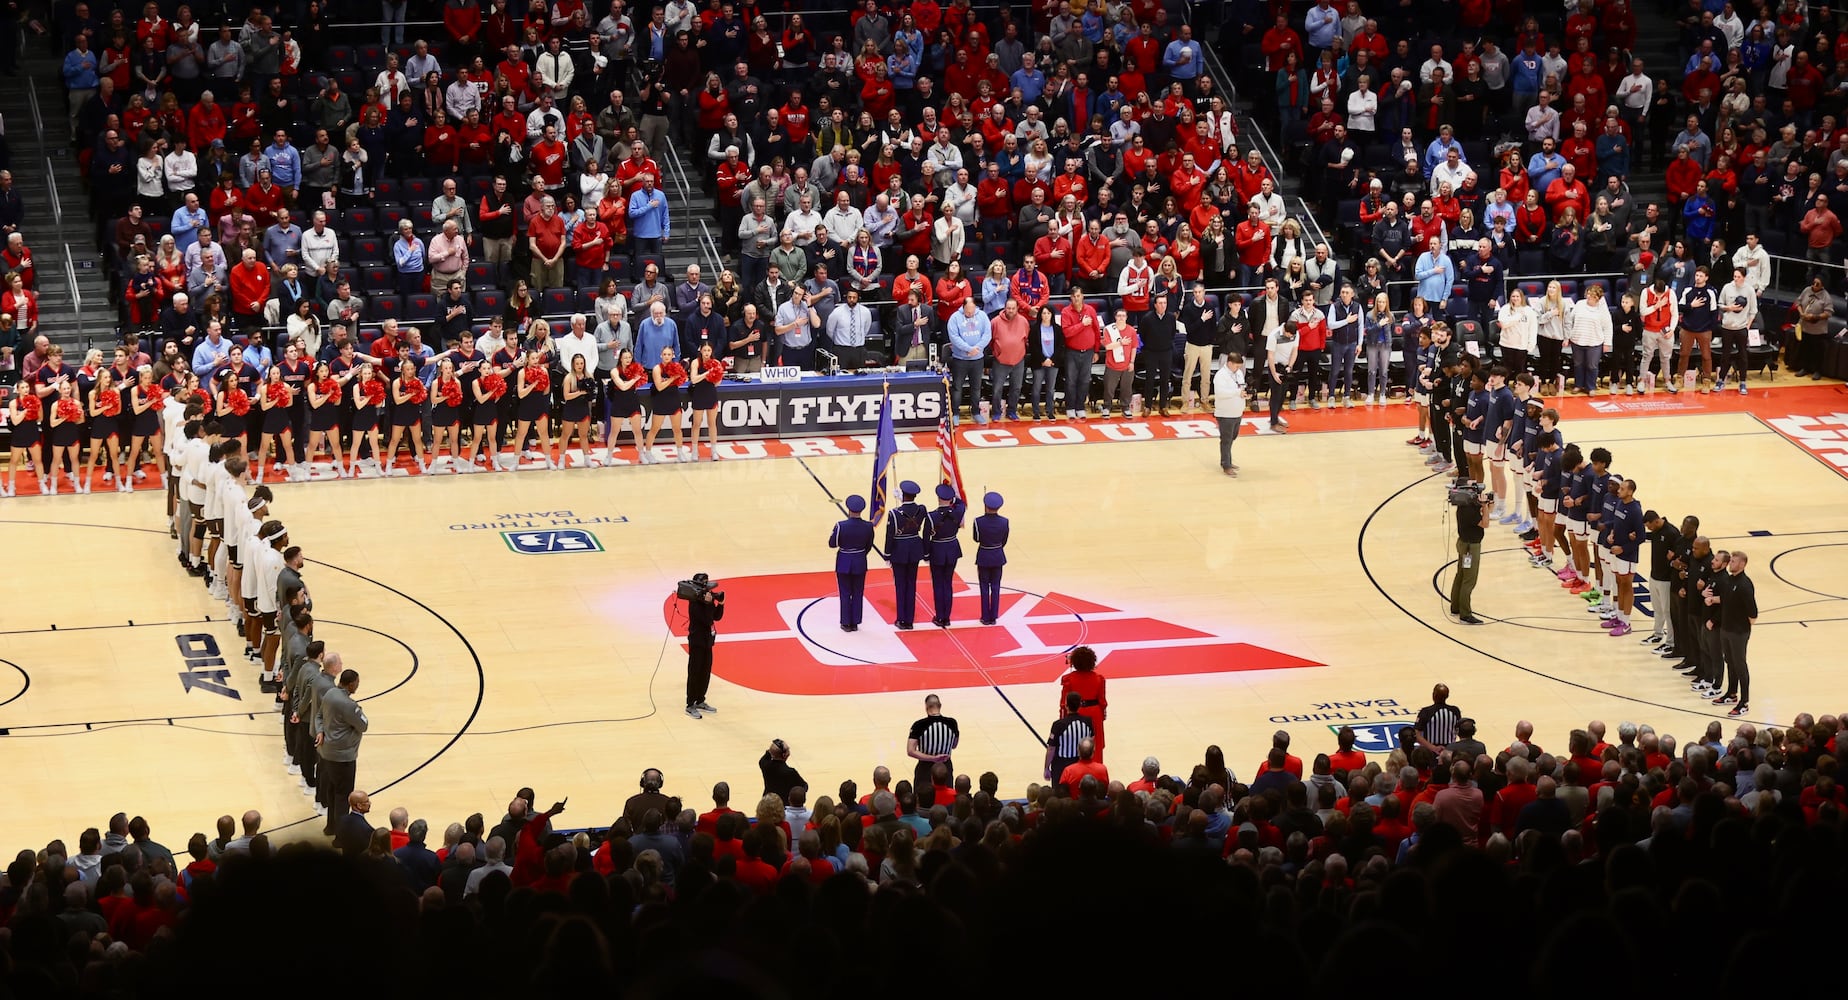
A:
[293,769]
[686,454]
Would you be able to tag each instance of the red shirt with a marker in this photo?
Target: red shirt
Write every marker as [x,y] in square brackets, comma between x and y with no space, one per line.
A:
[1075,772]
[1080,327]
[1350,760]
[1294,765]
[549,161]
[547,234]
[708,822]
[756,876]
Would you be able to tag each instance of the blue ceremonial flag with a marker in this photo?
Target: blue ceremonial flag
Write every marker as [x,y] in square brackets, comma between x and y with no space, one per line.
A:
[884,457]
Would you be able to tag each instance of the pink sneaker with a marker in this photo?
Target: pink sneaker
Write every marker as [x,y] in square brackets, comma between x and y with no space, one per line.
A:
[1567,574]
[1622,628]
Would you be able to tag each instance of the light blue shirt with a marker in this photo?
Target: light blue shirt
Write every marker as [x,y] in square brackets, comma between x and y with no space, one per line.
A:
[995,294]
[1436,275]
[1434,153]
[80,70]
[208,356]
[285,165]
[969,335]
[185,227]
[1319,26]
[1032,84]
[1179,70]
[650,337]
[1543,169]
[648,214]
[409,256]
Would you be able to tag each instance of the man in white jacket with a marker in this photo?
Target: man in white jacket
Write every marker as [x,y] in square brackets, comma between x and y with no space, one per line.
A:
[1756,261]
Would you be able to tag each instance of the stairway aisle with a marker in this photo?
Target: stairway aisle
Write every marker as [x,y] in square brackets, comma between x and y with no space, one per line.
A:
[57,209]
[685,244]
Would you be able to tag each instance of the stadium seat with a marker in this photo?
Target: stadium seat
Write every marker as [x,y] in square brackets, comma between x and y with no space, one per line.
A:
[618,268]
[390,214]
[489,302]
[359,220]
[384,307]
[586,301]
[368,249]
[1569,289]
[419,189]
[557,302]
[421,307]
[480,275]
[1532,289]
[378,278]
[341,57]
[388,189]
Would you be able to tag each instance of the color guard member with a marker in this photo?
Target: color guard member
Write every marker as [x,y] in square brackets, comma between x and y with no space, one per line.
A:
[851,537]
[990,535]
[904,549]
[945,550]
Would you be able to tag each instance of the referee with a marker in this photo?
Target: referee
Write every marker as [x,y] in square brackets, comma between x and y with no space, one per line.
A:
[1062,745]
[933,739]
[1437,722]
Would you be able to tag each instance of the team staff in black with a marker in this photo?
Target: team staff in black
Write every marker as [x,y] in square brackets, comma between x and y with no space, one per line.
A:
[1472,522]
[703,612]
[1733,591]
[1707,621]
[933,738]
[1062,743]
[1663,541]
[904,549]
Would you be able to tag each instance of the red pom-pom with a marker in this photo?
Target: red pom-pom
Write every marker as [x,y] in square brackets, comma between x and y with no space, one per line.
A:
[494,385]
[328,388]
[451,391]
[237,401]
[31,407]
[374,391]
[156,397]
[538,379]
[676,375]
[110,402]
[69,411]
[278,394]
[414,392]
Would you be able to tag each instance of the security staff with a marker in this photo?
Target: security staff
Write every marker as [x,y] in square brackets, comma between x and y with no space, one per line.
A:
[945,550]
[904,549]
[851,537]
[990,535]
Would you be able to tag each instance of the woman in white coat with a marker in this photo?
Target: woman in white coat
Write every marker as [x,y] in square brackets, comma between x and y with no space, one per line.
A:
[1519,329]
[1588,329]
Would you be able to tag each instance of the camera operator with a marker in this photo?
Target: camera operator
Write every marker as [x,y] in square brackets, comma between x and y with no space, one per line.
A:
[705,607]
[1472,509]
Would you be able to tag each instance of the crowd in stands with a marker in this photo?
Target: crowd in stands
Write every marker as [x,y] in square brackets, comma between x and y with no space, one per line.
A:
[1021,188]
[1320,863]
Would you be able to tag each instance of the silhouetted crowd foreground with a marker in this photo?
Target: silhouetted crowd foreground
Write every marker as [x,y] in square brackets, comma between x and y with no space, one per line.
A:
[1313,880]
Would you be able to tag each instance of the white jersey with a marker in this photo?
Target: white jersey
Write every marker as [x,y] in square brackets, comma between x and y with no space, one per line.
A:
[268,571]
[195,455]
[173,426]
[233,505]
[214,478]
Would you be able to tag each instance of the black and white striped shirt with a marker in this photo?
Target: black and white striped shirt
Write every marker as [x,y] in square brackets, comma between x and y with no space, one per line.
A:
[1438,724]
[936,734]
[1065,736]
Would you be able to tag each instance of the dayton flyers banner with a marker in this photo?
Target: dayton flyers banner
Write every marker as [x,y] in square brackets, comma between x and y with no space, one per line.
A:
[780,635]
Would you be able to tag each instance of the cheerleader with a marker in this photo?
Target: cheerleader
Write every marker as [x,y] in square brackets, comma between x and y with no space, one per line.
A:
[66,434]
[488,391]
[325,391]
[23,412]
[277,400]
[407,399]
[446,414]
[703,392]
[233,405]
[368,402]
[535,401]
[105,411]
[146,403]
[664,406]
[625,406]
[576,414]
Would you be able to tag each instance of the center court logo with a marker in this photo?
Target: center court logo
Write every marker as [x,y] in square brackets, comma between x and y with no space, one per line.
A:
[779,635]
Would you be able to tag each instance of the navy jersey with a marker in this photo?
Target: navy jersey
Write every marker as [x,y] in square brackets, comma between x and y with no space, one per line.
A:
[1608,503]
[1546,467]
[1597,514]
[1501,411]
[904,539]
[1476,408]
[1576,484]
[1627,531]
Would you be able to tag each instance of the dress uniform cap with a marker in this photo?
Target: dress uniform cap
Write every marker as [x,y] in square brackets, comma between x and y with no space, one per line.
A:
[908,488]
[945,491]
[992,501]
[856,504]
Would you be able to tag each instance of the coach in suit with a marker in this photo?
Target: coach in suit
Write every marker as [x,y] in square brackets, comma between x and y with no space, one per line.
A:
[904,549]
[851,537]
[990,535]
[945,550]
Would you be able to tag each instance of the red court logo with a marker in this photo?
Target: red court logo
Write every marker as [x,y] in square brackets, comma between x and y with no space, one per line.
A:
[780,635]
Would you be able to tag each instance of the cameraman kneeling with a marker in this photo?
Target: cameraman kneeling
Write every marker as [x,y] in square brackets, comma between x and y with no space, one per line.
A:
[1472,519]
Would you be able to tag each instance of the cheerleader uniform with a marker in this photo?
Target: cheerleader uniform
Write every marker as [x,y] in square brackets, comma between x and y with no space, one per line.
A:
[410,412]
[365,407]
[325,417]
[103,425]
[231,423]
[147,422]
[276,418]
[447,411]
[667,402]
[627,402]
[26,431]
[67,433]
[704,394]
[579,408]
[538,398]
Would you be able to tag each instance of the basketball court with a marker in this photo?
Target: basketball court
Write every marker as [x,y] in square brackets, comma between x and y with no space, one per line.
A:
[518,629]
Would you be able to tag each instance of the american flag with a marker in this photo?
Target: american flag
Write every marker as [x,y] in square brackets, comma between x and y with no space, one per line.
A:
[949,470]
